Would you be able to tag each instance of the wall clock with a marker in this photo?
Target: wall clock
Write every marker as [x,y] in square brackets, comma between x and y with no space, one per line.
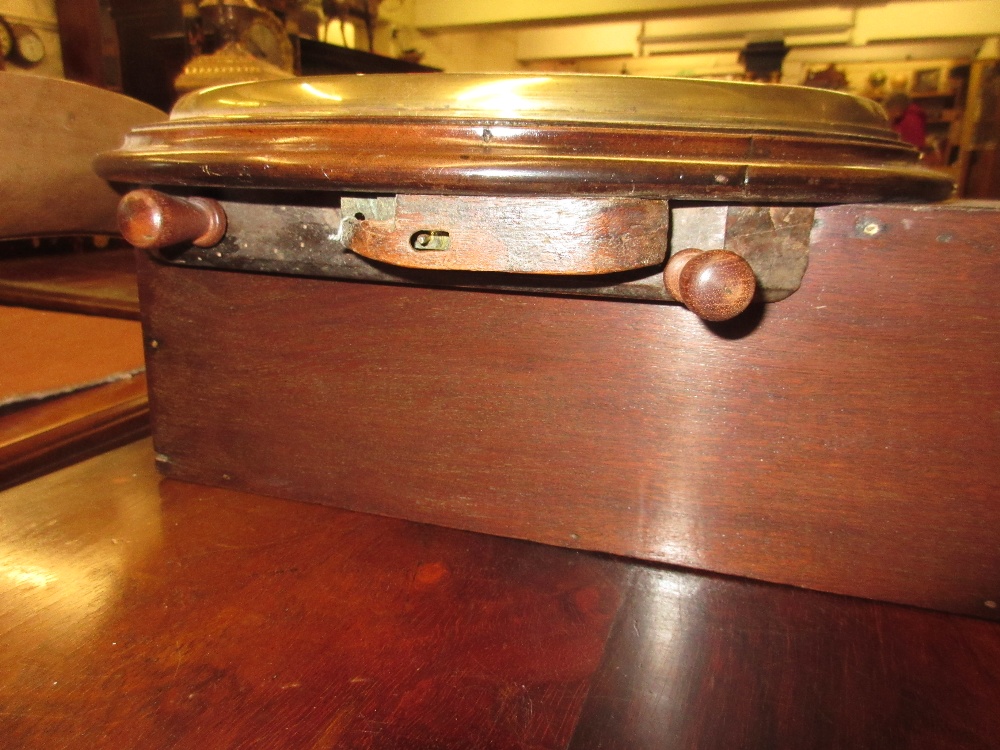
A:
[20,44]
[28,46]
[265,37]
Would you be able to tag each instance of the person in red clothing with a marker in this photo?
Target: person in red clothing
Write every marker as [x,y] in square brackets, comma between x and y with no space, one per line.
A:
[907,119]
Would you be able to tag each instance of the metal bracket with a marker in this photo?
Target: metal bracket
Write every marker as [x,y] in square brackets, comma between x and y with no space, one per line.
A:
[321,241]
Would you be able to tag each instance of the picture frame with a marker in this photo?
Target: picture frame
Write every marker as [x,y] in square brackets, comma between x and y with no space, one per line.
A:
[926,81]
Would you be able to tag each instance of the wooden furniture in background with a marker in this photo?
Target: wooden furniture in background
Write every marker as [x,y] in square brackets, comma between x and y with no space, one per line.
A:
[46,353]
[944,111]
[980,168]
[153,44]
[320,58]
[67,385]
[70,387]
[96,282]
[141,613]
[89,43]
[139,47]
[49,135]
[59,431]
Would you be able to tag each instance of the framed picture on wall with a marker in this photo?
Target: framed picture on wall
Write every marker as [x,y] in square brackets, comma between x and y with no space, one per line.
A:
[926,81]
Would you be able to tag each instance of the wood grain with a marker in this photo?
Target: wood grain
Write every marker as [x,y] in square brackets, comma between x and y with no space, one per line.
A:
[716,285]
[384,156]
[845,439]
[94,283]
[518,234]
[701,661]
[60,431]
[140,614]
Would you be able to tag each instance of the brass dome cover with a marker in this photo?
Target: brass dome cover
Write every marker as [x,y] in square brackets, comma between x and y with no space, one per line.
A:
[560,134]
[568,98]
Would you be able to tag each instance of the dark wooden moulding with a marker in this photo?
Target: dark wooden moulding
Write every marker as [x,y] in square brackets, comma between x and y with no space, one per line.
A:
[845,439]
[530,135]
[524,159]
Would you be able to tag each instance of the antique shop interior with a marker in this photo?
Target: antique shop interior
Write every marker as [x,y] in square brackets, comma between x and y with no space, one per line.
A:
[466,374]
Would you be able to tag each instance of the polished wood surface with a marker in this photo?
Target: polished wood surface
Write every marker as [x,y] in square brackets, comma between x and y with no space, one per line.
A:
[59,431]
[845,439]
[701,661]
[715,285]
[553,160]
[137,613]
[151,219]
[528,134]
[93,282]
[70,387]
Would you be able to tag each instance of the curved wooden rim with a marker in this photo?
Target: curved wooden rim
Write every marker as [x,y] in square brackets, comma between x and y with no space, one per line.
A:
[518,159]
[50,130]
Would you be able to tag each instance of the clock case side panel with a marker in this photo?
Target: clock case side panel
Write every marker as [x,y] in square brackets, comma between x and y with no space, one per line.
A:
[844,440]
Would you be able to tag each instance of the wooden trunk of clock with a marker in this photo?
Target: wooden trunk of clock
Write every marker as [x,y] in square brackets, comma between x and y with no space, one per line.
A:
[845,439]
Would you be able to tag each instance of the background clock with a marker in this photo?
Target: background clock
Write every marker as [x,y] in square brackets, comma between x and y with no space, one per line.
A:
[265,37]
[28,46]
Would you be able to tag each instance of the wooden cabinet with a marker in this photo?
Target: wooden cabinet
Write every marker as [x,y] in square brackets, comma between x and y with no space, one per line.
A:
[979,165]
[944,112]
[139,47]
[89,43]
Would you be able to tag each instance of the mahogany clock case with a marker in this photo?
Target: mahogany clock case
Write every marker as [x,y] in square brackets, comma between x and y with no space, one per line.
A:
[846,438]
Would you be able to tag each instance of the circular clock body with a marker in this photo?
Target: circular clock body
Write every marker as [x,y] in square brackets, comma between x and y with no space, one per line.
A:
[470,134]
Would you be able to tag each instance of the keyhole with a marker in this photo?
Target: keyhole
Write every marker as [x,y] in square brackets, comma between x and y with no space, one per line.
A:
[430,239]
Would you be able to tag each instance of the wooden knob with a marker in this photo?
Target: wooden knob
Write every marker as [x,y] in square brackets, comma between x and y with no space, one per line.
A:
[672,273]
[715,285]
[152,220]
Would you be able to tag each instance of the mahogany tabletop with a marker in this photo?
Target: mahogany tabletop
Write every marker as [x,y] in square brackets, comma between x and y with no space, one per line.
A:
[137,612]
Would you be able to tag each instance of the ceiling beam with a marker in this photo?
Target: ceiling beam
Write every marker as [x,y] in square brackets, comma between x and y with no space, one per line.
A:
[765,24]
[440,15]
[897,21]
[910,22]
[585,40]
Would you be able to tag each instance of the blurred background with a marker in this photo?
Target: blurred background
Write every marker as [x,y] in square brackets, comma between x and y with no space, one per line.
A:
[933,60]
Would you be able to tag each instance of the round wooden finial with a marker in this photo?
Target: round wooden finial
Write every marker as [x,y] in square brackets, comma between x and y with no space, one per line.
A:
[715,285]
[152,220]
